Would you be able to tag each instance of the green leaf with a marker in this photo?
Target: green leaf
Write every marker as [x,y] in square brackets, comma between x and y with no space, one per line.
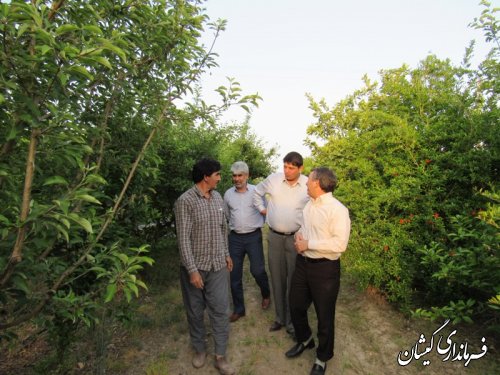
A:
[22,29]
[19,283]
[147,260]
[93,29]
[62,231]
[63,78]
[64,205]
[44,49]
[65,222]
[84,223]
[4,220]
[467,319]
[80,70]
[90,52]
[110,292]
[87,149]
[69,52]
[128,295]
[95,179]
[113,48]
[55,180]
[133,288]
[134,268]
[102,60]
[66,29]
[99,270]
[88,198]
[122,257]
[35,16]
[142,284]
[44,36]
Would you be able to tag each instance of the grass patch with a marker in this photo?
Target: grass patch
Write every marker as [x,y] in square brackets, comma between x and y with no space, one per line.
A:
[160,364]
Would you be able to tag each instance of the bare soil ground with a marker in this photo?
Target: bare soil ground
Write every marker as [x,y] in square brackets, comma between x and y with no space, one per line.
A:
[369,336]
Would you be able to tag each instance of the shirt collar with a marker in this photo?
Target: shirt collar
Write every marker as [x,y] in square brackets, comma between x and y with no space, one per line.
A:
[296,182]
[322,198]
[199,192]
[241,192]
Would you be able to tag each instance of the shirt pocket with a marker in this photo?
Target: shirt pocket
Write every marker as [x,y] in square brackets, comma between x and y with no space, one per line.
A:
[220,217]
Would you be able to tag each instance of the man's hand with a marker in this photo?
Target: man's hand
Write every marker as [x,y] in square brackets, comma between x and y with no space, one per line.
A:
[229,263]
[300,243]
[196,280]
[263,212]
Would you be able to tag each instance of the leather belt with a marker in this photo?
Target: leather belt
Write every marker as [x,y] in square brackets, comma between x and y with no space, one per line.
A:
[316,260]
[242,234]
[282,233]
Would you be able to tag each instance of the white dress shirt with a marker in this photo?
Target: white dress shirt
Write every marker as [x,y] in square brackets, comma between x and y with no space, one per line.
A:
[326,225]
[285,201]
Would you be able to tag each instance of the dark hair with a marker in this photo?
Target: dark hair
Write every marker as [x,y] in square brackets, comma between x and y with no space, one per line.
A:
[294,158]
[205,167]
[326,177]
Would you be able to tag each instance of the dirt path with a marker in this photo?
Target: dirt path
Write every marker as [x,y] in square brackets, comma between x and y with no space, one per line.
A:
[369,336]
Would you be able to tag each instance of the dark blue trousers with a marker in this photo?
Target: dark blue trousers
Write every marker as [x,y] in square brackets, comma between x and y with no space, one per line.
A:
[247,244]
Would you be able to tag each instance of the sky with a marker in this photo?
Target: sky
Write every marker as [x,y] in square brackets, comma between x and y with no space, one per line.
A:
[283,49]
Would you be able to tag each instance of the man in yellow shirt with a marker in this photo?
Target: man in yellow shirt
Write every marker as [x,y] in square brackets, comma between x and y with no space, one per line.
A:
[321,239]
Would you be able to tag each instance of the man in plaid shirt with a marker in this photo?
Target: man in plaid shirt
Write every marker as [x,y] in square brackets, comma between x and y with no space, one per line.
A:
[205,262]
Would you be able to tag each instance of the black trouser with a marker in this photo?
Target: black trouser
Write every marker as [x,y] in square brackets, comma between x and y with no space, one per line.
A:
[315,281]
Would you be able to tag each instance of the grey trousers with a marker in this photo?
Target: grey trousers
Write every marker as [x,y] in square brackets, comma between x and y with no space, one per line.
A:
[281,262]
[215,298]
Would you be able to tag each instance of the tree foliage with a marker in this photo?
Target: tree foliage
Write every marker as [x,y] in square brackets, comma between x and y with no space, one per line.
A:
[100,124]
[417,156]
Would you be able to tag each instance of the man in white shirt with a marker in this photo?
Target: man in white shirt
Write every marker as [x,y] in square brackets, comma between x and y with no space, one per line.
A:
[286,194]
[245,238]
[322,238]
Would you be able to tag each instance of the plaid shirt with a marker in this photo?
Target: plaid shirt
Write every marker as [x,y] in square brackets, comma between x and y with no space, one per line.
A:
[201,231]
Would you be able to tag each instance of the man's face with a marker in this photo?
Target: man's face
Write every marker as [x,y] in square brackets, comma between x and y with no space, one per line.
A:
[312,185]
[292,172]
[213,180]
[240,180]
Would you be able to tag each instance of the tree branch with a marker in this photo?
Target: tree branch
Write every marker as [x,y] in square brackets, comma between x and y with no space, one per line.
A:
[55,7]
[17,251]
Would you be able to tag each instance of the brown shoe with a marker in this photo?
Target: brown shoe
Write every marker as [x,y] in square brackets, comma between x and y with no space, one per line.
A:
[265,303]
[223,366]
[234,317]
[275,327]
[199,359]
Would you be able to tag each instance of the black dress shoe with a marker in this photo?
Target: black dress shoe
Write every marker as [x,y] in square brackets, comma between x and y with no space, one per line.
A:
[299,348]
[317,369]
[275,327]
